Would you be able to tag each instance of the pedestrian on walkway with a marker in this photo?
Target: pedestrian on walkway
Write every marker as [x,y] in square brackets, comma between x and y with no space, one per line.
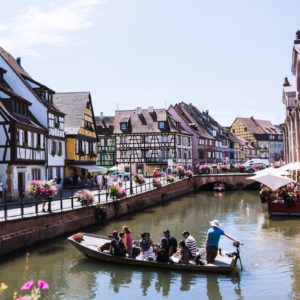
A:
[100,181]
[1,189]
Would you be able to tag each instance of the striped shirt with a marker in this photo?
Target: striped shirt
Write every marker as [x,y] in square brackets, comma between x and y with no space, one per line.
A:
[191,244]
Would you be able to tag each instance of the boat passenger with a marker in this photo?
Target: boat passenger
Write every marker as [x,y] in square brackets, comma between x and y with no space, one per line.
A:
[212,240]
[128,241]
[190,242]
[172,242]
[117,247]
[183,253]
[146,246]
[162,251]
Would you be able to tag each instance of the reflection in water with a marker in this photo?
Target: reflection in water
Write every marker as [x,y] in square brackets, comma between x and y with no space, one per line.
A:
[212,287]
[146,280]
[163,282]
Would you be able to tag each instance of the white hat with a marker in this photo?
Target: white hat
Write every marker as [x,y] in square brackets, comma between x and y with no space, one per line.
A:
[215,223]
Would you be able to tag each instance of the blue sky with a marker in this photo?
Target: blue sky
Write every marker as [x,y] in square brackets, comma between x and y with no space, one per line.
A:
[228,57]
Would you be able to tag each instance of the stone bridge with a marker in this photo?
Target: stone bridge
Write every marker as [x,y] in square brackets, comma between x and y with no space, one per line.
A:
[231,181]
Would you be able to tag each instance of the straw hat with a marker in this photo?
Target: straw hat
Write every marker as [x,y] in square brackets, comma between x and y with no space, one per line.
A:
[215,223]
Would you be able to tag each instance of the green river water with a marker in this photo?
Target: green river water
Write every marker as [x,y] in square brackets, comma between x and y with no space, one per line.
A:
[270,256]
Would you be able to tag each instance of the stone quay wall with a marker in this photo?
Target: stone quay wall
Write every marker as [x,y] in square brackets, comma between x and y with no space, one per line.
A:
[22,233]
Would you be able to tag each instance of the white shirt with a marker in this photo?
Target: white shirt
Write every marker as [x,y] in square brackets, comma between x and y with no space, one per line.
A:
[1,186]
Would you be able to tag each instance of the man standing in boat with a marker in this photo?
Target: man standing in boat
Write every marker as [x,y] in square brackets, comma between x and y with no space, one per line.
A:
[212,240]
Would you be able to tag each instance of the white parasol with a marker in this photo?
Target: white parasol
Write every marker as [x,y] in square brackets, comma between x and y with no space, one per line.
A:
[273,181]
[291,166]
[271,170]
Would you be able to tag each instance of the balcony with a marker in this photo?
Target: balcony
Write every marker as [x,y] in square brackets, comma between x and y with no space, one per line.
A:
[156,160]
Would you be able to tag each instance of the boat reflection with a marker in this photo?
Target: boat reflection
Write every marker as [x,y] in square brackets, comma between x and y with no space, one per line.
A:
[163,282]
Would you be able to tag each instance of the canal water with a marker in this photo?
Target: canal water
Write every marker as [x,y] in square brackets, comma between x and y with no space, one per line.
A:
[270,256]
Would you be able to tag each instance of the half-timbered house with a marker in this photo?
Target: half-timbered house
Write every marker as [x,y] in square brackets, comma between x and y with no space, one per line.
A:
[107,141]
[202,141]
[261,134]
[22,142]
[150,138]
[81,133]
[41,99]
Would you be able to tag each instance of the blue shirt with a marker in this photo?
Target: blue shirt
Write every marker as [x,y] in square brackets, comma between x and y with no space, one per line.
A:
[213,236]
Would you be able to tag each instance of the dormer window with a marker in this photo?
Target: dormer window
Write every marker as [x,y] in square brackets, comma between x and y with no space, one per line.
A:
[123,126]
[162,125]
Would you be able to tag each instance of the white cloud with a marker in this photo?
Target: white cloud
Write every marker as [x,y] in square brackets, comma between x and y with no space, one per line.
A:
[38,26]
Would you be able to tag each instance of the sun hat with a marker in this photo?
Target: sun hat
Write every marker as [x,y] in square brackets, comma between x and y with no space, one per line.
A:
[215,223]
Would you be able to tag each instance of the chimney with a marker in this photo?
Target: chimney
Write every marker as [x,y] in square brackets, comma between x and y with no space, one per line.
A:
[139,111]
[207,112]
[150,109]
[297,38]
[286,82]
[18,60]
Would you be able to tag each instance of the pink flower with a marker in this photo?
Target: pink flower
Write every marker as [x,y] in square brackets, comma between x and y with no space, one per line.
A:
[43,284]
[24,298]
[27,285]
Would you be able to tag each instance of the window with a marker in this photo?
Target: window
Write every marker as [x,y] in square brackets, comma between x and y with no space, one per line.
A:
[122,139]
[162,125]
[50,173]
[123,126]
[165,154]
[144,139]
[123,154]
[164,139]
[245,129]
[58,174]
[179,140]
[36,174]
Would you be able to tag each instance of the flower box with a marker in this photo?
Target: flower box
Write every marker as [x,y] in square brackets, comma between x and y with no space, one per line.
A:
[85,197]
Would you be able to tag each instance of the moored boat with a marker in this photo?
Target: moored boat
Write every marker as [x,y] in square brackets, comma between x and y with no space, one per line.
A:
[91,244]
[280,207]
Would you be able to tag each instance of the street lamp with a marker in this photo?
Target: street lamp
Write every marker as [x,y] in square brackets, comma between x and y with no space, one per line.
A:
[129,152]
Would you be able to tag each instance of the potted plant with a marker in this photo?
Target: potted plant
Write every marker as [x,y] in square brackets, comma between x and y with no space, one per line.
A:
[78,237]
[85,197]
[25,145]
[189,173]
[139,178]
[156,183]
[170,178]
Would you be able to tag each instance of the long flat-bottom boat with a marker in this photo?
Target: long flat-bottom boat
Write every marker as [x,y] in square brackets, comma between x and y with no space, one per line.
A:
[282,208]
[91,244]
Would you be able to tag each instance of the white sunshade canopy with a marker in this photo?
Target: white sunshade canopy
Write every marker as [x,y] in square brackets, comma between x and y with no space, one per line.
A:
[273,181]
[92,168]
[291,166]
[275,171]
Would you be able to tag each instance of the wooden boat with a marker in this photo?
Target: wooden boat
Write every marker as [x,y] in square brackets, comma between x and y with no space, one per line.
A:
[283,208]
[91,243]
[219,187]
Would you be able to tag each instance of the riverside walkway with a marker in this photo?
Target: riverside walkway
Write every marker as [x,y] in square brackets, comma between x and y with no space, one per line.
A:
[66,201]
